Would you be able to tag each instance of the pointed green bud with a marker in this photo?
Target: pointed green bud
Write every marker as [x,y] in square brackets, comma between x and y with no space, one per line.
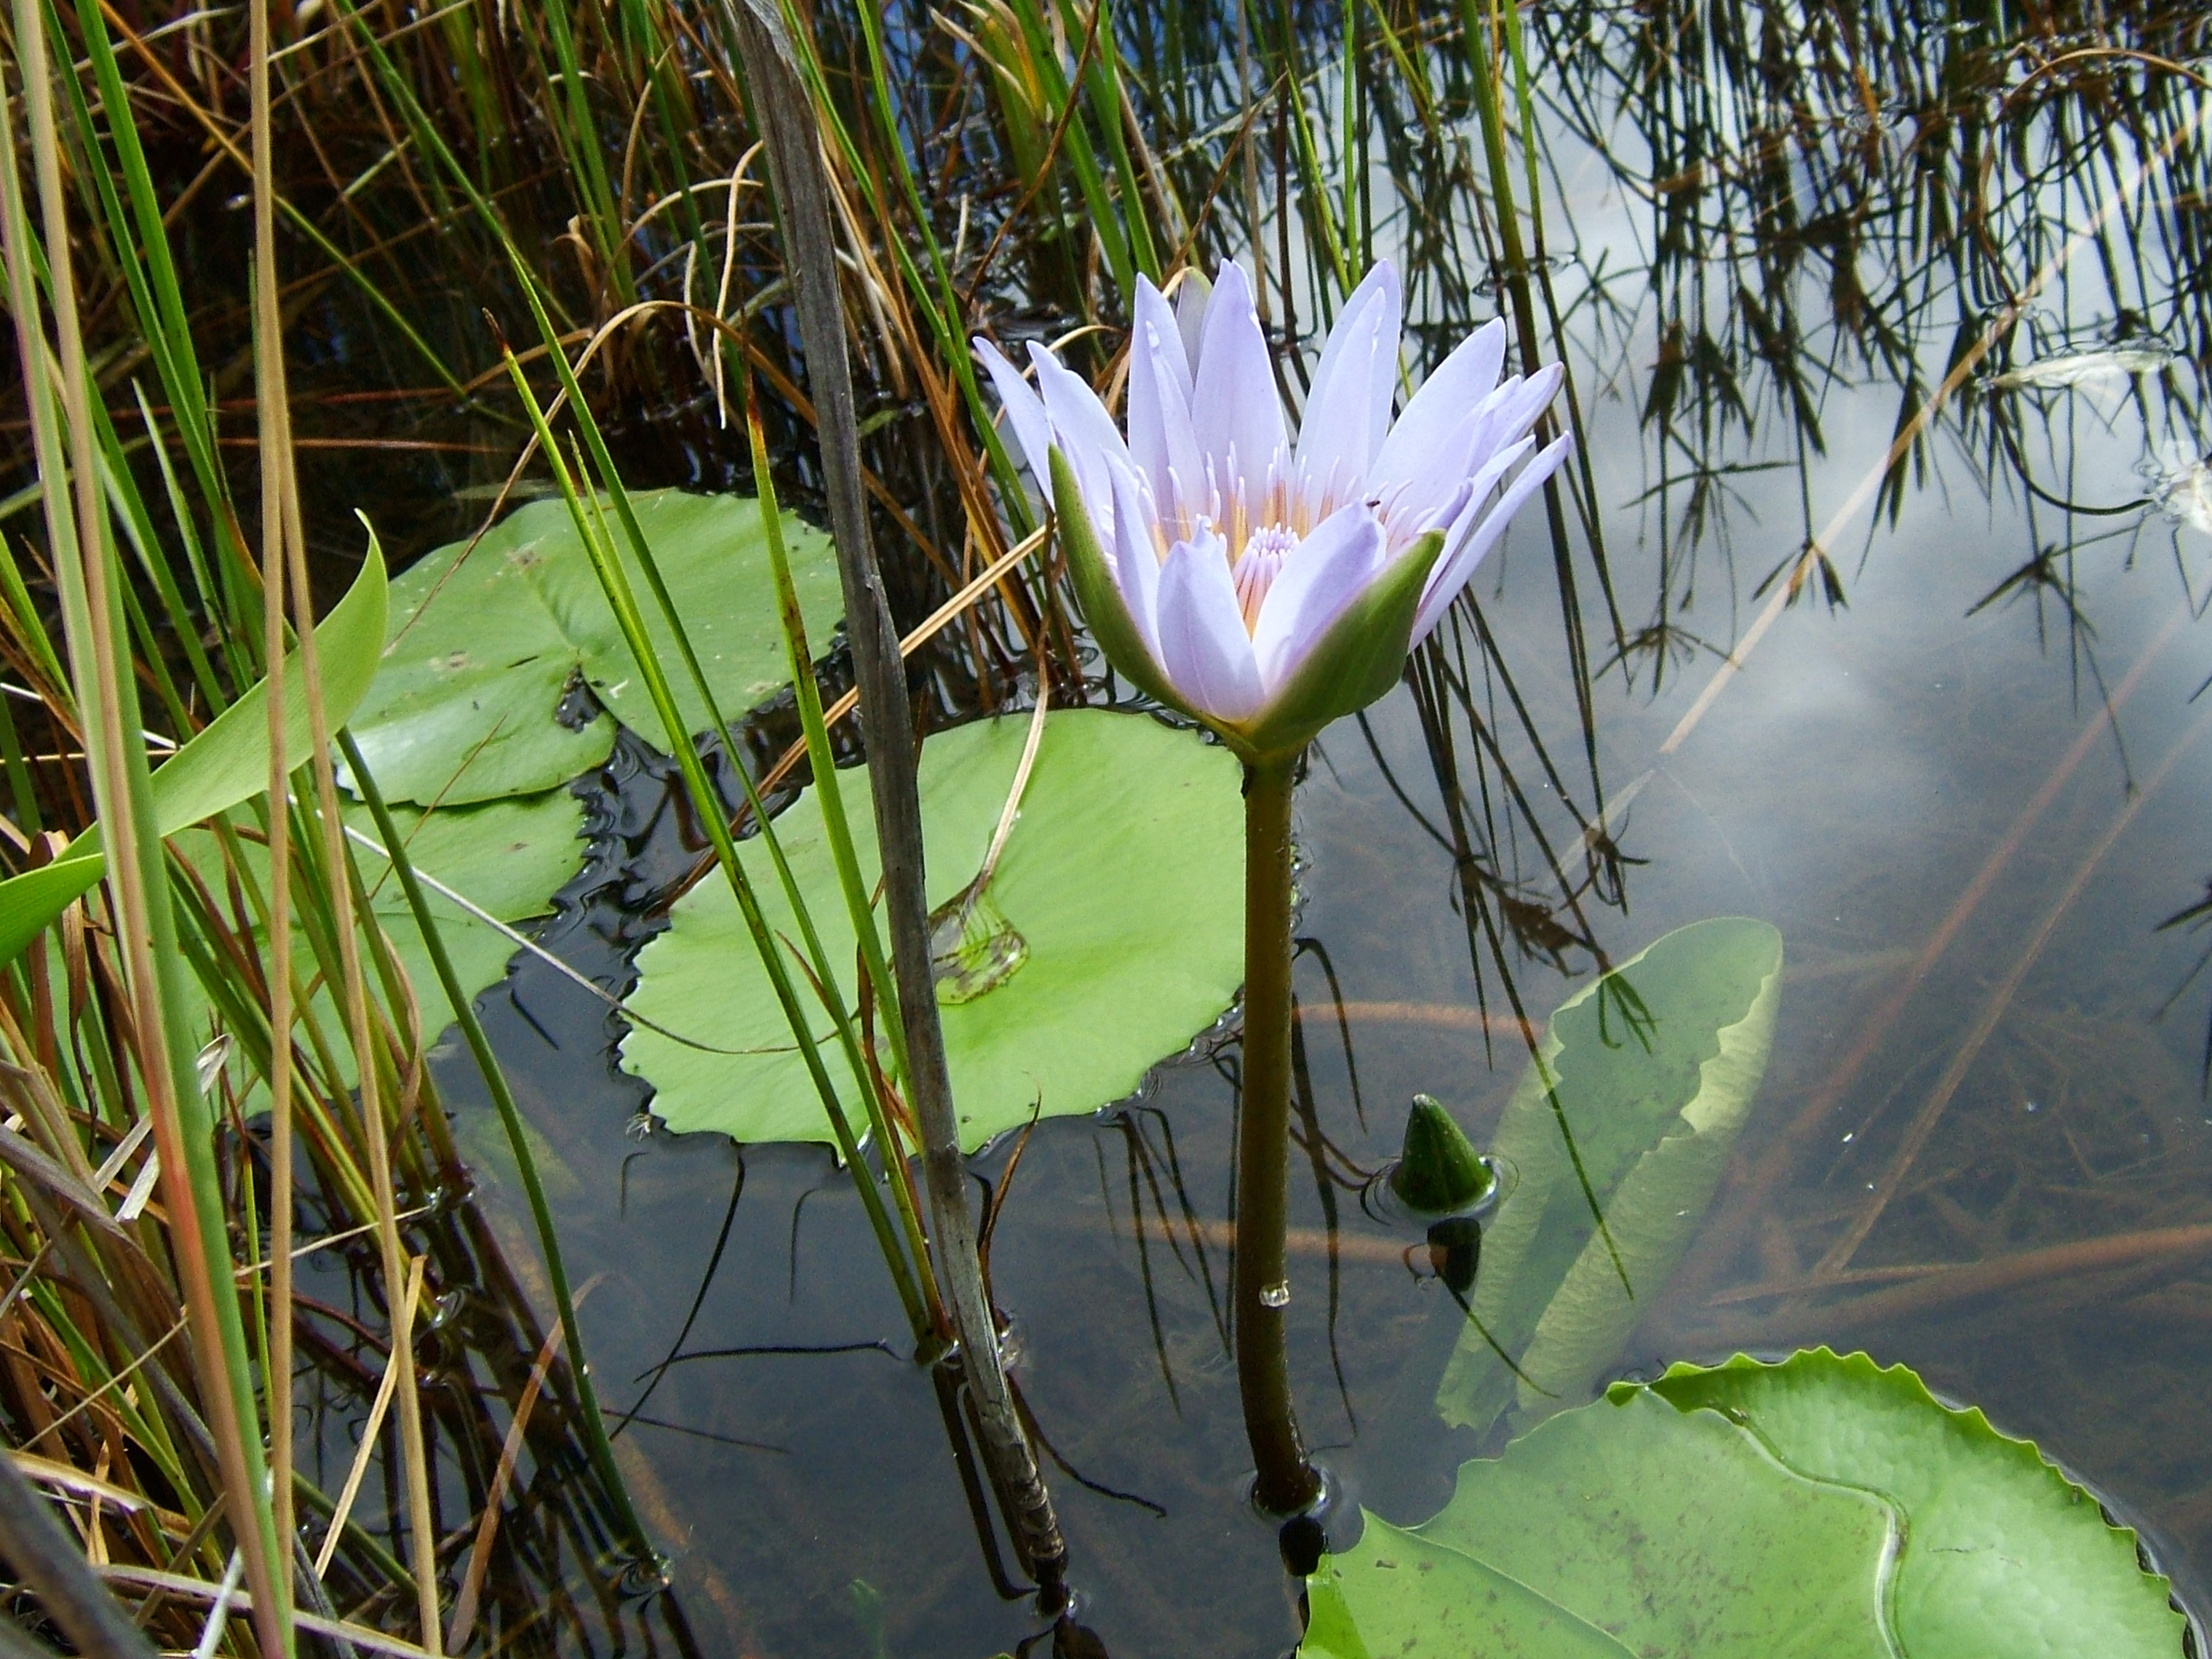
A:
[1439,1172]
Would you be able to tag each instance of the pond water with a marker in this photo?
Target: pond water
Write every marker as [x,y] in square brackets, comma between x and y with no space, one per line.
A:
[1968,796]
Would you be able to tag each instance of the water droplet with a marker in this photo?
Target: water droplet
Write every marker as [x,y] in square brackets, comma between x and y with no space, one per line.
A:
[1277,1294]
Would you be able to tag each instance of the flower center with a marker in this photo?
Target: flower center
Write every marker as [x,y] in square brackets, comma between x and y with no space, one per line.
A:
[1258,566]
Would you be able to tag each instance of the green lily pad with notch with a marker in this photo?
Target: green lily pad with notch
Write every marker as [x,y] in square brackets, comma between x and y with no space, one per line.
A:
[1655,1068]
[508,858]
[482,640]
[1124,876]
[1820,1509]
[2002,1554]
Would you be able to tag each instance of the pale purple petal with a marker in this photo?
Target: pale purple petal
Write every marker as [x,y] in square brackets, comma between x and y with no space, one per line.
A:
[1235,407]
[1468,504]
[1475,533]
[1161,441]
[1422,439]
[1402,529]
[1191,300]
[1024,411]
[1085,432]
[1323,575]
[1153,308]
[1482,435]
[1136,559]
[1348,410]
[1513,409]
[1203,645]
[1498,422]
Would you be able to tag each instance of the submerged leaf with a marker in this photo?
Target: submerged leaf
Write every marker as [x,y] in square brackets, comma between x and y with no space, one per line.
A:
[1125,876]
[1820,1509]
[973,948]
[1654,1069]
[485,636]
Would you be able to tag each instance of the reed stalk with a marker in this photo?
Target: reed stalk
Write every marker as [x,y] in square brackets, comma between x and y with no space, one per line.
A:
[797,171]
[269,412]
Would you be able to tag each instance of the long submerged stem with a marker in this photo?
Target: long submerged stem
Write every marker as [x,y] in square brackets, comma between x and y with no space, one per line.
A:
[1286,1482]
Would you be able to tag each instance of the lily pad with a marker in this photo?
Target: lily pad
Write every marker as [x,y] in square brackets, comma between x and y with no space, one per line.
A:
[508,858]
[1124,878]
[484,638]
[2000,1554]
[1655,1068]
[1822,1507]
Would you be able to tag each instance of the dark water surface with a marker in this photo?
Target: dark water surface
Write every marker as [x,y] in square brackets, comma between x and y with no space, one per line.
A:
[1967,797]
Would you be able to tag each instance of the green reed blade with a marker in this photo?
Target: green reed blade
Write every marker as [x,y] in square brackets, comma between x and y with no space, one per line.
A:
[830,798]
[934,296]
[108,694]
[615,583]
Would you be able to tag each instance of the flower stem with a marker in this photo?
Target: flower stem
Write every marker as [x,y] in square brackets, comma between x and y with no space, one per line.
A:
[1286,1482]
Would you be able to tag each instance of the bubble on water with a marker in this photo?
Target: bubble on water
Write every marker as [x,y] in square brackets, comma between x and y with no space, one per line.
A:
[1277,1294]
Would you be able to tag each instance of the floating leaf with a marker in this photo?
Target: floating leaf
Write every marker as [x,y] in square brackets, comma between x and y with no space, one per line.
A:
[1821,1509]
[508,858]
[2000,1553]
[1655,1066]
[1124,875]
[484,638]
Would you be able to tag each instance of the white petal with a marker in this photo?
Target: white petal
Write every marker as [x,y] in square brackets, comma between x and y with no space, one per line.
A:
[1161,441]
[1348,410]
[1203,645]
[1235,406]
[1323,575]
[1514,407]
[1428,422]
[1456,569]
[1153,308]
[1480,435]
[1136,559]
[1190,314]
[1024,411]
[1085,432]
[1500,422]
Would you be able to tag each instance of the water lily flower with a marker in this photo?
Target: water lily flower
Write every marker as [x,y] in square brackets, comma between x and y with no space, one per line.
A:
[1266,584]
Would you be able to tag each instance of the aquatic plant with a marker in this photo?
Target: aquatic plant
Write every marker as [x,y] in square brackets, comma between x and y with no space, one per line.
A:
[1267,588]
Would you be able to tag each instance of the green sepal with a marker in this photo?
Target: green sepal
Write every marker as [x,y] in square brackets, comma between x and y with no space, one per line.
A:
[1103,608]
[1357,661]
